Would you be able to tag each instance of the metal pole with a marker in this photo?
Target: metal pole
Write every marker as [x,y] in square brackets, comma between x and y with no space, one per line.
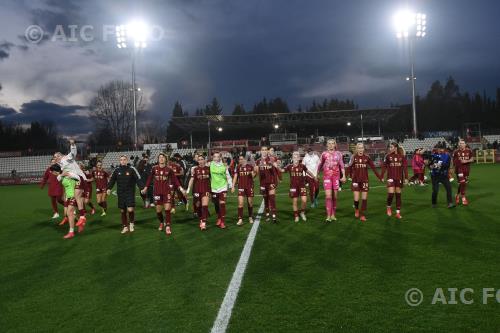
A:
[208,138]
[134,99]
[362,130]
[412,77]
[191,137]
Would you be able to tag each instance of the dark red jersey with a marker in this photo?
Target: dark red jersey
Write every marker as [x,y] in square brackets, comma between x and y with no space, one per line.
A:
[459,159]
[201,177]
[358,168]
[162,177]
[277,171]
[396,166]
[101,179]
[267,172]
[297,175]
[88,184]
[55,188]
[176,168]
[244,176]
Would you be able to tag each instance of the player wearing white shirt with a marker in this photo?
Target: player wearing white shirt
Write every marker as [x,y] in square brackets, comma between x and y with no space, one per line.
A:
[311,160]
[71,168]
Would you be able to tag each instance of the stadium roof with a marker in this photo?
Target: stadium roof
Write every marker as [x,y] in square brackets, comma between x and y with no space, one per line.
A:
[199,123]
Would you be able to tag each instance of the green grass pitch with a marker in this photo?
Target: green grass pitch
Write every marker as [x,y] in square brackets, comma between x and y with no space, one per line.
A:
[346,276]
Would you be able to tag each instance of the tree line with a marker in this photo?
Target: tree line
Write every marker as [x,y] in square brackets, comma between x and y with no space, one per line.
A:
[21,137]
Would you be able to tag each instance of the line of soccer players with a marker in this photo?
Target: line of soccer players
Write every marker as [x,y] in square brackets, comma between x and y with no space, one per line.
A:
[212,179]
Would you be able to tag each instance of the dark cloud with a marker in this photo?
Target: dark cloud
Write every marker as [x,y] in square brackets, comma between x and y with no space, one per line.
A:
[6,111]
[66,118]
[4,48]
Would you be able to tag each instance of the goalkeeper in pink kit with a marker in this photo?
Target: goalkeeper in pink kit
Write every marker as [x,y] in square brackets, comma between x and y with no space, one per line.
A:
[332,165]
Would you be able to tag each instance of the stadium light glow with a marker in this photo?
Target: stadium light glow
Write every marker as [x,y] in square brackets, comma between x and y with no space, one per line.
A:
[276,126]
[134,34]
[348,123]
[410,24]
[219,129]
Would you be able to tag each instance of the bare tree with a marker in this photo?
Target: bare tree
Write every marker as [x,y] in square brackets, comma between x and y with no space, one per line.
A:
[113,109]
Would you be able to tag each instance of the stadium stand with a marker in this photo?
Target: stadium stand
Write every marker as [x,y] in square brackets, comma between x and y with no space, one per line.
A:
[112,158]
[492,138]
[34,165]
[410,145]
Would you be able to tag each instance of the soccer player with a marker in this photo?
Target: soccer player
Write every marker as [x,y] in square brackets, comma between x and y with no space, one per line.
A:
[298,176]
[266,168]
[311,161]
[462,158]
[220,182]
[244,176]
[358,169]
[440,164]
[55,189]
[125,177]
[418,166]
[397,174]
[163,177]
[177,185]
[332,164]
[200,183]
[87,192]
[68,181]
[101,182]
[68,164]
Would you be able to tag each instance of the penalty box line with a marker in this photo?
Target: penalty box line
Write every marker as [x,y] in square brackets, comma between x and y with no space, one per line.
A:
[226,308]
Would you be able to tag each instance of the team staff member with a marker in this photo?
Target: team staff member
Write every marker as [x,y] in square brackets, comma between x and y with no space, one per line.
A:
[126,178]
[440,166]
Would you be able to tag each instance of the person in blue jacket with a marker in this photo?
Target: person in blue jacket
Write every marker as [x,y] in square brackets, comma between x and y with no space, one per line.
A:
[439,164]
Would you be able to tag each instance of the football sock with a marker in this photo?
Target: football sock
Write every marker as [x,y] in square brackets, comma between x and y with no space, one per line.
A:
[160,217]
[240,212]
[390,196]
[356,204]
[398,201]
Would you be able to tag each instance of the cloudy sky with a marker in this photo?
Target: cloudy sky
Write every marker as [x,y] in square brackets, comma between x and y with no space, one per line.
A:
[238,51]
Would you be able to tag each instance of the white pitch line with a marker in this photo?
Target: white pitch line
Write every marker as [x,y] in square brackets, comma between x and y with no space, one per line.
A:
[226,308]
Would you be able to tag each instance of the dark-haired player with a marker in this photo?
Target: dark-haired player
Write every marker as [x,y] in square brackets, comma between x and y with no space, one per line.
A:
[397,174]
[101,182]
[266,168]
[200,183]
[462,158]
[244,176]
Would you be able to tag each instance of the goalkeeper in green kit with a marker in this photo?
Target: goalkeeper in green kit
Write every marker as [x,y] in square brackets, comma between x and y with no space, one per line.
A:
[220,182]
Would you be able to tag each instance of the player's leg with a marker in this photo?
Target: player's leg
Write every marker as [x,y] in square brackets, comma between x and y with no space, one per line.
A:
[168,217]
[241,199]
[334,203]
[265,197]
[398,201]
[53,204]
[123,215]
[215,201]
[204,211]
[390,197]
[221,198]
[250,207]
[447,186]
[355,195]
[435,190]
[71,220]
[131,218]
[295,208]
[159,212]
[272,202]
[364,205]
[80,201]
[328,204]
[303,201]
[312,190]
[465,180]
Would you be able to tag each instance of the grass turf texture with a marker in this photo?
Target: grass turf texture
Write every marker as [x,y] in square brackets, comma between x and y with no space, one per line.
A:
[345,276]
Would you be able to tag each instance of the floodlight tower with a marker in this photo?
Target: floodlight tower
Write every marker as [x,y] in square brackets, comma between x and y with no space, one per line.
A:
[411,26]
[133,35]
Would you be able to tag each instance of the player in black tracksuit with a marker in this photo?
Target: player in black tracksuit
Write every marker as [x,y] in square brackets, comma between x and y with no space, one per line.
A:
[126,178]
